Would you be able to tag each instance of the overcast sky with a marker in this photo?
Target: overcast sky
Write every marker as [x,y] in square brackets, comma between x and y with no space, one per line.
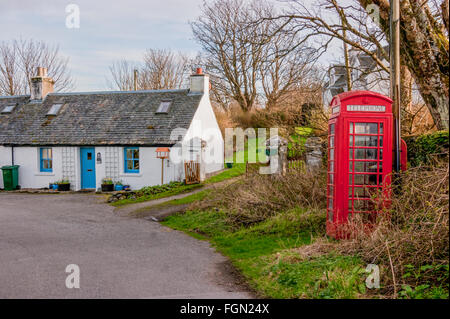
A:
[109,30]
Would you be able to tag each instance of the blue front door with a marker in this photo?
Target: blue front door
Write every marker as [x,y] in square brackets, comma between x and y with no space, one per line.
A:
[87,167]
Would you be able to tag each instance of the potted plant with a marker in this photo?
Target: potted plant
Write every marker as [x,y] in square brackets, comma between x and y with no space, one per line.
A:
[118,186]
[63,185]
[107,185]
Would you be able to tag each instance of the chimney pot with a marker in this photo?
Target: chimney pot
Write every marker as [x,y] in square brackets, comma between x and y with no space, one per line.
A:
[199,71]
[41,84]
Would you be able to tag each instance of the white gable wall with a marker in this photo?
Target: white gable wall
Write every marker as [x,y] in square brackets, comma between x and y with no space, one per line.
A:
[204,126]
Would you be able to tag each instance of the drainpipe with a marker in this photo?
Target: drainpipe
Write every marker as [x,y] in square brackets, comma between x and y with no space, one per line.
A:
[12,155]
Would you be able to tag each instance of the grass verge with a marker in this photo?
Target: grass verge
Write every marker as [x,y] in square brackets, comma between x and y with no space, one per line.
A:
[175,191]
[265,253]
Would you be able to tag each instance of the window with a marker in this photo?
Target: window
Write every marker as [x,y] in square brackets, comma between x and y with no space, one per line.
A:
[163,107]
[131,159]
[46,159]
[54,109]
[8,109]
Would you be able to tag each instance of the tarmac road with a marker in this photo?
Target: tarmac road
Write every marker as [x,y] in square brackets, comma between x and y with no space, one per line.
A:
[118,257]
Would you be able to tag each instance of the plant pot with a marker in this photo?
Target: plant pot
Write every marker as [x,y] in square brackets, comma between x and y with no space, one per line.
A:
[64,187]
[55,187]
[119,187]
[107,187]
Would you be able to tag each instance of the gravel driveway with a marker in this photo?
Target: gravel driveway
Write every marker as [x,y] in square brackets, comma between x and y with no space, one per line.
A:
[118,257]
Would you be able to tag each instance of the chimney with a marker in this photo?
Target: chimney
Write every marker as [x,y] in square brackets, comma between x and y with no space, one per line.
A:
[41,85]
[199,82]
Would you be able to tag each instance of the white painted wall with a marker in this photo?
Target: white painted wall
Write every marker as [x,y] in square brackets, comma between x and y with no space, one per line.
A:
[66,164]
[204,126]
[29,172]
[113,166]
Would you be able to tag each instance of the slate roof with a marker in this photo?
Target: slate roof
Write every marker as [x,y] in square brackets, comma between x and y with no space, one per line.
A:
[97,118]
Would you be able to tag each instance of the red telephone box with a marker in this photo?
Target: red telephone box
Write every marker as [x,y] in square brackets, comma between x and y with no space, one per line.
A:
[359,157]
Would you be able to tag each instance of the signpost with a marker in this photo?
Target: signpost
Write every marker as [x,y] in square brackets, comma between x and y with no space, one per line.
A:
[162,153]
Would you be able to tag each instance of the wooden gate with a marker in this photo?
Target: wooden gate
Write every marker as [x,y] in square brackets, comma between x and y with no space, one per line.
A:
[192,172]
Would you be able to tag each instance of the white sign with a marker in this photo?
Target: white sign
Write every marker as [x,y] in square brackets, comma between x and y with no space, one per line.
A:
[336,109]
[366,108]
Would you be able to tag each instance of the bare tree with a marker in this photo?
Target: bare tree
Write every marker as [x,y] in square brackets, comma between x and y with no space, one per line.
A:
[160,69]
[248,65]
[11,82]
[424,38]
[122,75]
[164,69]
[19,60]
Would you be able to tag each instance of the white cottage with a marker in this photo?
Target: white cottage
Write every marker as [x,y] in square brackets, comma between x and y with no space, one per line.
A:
[85,137]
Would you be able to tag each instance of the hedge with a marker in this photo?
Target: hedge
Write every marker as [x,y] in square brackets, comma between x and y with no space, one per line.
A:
[422,146]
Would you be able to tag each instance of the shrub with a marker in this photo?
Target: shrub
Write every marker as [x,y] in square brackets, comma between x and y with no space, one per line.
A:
[412,245]
[152,190]
[422,148]
[259,197]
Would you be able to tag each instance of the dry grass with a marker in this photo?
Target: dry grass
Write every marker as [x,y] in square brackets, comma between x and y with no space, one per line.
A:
[411,239]
[259,197]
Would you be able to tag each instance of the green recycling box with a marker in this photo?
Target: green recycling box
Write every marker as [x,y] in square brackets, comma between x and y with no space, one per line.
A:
[10,177]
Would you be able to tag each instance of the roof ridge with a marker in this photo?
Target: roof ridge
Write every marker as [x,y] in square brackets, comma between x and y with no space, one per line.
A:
[118,92]
[13,96]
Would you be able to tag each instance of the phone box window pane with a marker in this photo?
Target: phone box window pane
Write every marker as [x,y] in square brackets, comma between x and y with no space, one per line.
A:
[372,179]
[373,128]
[372,166]
[351,128]
[331,177]
[366,154]
[360,128]
[361,192]
[361,179]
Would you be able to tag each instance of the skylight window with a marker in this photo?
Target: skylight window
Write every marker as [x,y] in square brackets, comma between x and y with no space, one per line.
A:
[54,109]
[8,109]
[164,107]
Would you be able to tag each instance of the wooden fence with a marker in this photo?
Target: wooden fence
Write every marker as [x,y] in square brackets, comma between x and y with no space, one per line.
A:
[192,172]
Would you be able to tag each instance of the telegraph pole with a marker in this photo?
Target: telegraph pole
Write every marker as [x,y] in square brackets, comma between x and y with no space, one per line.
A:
[394,52]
